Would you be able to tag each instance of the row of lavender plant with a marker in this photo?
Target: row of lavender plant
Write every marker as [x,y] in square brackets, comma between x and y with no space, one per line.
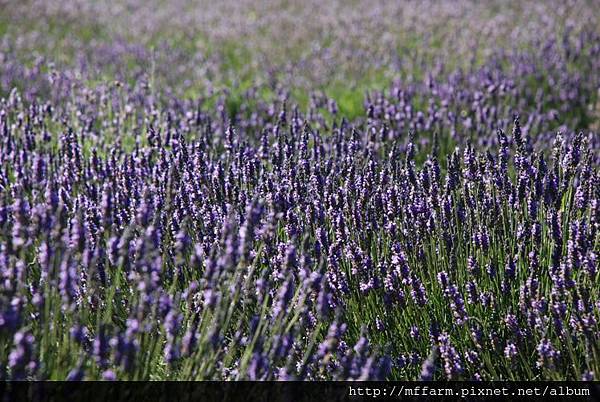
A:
[553,88]
[204,253]
[437,234]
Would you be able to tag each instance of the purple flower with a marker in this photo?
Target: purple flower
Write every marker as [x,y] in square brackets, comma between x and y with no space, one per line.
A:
[548,356]
[510,351]
[109,375]
[428,367]
[100,347]
[21,359]
[588,376]
[453,365]
[456,300]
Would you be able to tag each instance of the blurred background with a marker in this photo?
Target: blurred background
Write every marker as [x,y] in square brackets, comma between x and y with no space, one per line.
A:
[338,49]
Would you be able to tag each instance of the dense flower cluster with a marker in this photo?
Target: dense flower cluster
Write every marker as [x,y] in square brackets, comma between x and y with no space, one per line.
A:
[450,230]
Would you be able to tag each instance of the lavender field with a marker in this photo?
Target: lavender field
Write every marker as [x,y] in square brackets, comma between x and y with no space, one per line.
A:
[283,190]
